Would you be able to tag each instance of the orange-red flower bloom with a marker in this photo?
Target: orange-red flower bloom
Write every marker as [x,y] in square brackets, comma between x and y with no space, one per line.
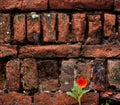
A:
[81,82]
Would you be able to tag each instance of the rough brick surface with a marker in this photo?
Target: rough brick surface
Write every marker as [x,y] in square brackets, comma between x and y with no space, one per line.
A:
[7,51]
[5,32]
[49,27]
[81,4]
[50,51]
[2,78]
[23,5]
[117,5]
[78,27]
[43,99]
[30,74]
[63,27]
[101,51]
[33,28]
[109,24]
[114,73]
[99,75]
[95,26]
[14,98]
[13,75]
[118,28]
[19,28]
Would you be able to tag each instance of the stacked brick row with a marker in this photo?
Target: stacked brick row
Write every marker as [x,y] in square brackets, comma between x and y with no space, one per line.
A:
[59,28]
[38,5]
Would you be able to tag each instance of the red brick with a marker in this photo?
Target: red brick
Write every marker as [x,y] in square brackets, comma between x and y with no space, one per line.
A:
[30,74]
[81,4]
[95,26]
[43,99]
[19,28]
[23,5]
[34,5]
[50,51]
[113,73]
[47,71]
[5,32]
[119,28]
[117,5]
[109,24]
[99,75]
[63,99]
[78,27]
[49,25]
[2,79]
[14,98]
[33,28]
[90,98]
[106,51]
[63,27]
[51,85]
[7,51]
[13,75]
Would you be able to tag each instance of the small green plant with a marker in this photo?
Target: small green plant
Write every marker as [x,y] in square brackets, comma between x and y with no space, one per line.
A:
[77,90]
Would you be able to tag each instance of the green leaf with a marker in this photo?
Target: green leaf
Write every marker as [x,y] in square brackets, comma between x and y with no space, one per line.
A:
[71,94]
[85,91]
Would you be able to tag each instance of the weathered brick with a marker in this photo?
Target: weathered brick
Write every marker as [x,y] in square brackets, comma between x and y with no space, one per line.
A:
[117,5]
[34,5]
[30,74]
[109,24]
[90,98]
[33,28]
[8,51]
[72,69]
[49,27]
[87,99]
[63,99]
[99,76]
[47,71]
[67,75]
[51,85]
[63,27]
[2,80]
[23,5]
[118,28]
[114,73]
[50,51]
[42,99]
[96,51]
[94,32]
[14,98]
[13,75]
[19,28]
[5,32]
[81,4]
[78,27]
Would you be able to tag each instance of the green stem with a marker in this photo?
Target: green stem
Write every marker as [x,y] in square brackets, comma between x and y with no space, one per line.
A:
[79,100]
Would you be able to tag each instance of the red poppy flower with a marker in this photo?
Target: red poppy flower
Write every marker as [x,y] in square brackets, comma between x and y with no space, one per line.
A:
[81,82]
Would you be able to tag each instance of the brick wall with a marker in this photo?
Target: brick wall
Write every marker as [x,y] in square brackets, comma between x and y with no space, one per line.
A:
[46,44]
